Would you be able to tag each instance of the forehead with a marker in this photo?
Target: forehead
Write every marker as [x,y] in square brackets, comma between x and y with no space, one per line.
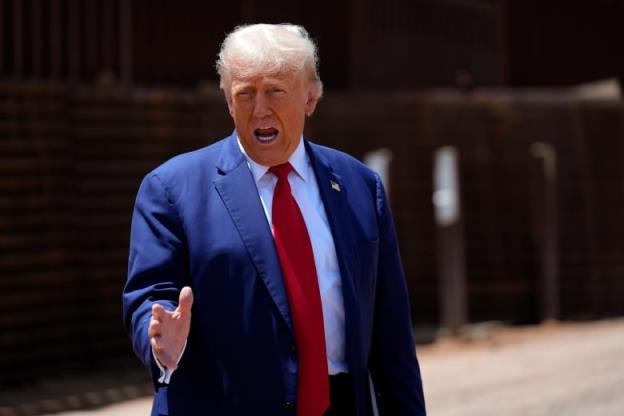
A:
[266,79]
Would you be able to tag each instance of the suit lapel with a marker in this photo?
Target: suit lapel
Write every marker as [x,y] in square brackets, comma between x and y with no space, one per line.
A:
[239,194]
[334,191]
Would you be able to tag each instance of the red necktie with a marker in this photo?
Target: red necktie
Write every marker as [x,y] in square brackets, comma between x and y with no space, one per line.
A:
[297,260]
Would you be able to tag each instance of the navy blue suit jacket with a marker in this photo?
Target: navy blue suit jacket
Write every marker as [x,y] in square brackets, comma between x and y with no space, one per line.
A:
[198,221]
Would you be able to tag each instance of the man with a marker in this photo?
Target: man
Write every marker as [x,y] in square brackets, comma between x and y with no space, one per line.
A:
[264,274]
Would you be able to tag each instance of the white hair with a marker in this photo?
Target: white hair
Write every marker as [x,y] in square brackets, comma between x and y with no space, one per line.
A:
[266,49]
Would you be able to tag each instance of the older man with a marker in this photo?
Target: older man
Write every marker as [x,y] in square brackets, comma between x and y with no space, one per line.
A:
[284,253]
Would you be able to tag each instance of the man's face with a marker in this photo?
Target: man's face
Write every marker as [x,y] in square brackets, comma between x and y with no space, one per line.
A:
[269,114]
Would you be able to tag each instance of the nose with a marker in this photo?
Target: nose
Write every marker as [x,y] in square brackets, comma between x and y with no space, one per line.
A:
[261,106]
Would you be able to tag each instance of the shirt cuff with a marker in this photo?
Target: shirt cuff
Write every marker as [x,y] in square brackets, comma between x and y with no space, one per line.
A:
[166,373]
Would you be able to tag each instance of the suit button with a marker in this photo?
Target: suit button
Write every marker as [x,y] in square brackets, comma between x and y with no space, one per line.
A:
[292,348]
[289,406]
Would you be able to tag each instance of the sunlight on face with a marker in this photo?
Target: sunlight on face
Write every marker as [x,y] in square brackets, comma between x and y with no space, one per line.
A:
[269,114]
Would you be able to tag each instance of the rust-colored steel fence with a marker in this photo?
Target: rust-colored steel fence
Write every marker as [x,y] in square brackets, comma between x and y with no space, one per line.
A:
[71,160]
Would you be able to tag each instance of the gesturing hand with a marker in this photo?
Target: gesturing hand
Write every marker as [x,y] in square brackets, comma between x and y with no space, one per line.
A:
[168,331]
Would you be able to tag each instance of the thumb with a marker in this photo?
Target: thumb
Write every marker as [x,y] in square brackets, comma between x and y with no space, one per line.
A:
[186,300]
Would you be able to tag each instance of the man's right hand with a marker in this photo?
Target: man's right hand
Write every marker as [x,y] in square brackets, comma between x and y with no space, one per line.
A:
[168,331]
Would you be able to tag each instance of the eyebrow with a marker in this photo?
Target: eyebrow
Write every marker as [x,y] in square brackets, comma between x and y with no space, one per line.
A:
[243,87]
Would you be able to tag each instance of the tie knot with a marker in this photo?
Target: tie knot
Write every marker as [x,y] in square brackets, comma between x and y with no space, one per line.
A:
[281,171]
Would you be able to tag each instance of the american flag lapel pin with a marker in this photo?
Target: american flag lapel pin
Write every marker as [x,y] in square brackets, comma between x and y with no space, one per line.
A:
[335,186]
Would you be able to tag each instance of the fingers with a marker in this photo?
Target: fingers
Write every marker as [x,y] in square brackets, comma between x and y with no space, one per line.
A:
[186,300]
[168,330]
[158,312]
[157,340]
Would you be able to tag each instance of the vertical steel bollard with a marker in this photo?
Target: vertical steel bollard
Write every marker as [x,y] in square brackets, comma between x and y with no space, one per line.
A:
[543,185]
[379,160]
[451,262]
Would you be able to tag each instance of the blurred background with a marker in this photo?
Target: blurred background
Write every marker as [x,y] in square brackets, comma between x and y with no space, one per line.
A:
[497,126]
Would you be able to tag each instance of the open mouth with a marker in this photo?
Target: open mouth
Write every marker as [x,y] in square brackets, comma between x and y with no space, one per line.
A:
[267,135]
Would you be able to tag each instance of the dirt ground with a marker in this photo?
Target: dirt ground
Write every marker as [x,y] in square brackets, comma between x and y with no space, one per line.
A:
[563,369]
[549,370]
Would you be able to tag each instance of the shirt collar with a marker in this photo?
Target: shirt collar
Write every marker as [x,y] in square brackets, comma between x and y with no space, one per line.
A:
[298,160]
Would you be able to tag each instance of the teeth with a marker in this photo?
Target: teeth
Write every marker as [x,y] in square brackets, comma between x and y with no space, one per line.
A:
[266,135]
[266,138]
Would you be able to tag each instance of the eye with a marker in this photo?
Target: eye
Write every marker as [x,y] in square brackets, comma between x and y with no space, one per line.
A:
[244,95]
[277,91]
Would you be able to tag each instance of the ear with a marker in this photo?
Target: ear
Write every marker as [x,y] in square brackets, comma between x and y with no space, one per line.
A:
[313,97]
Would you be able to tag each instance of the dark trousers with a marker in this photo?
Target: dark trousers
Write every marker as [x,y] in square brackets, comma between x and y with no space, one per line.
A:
[342,402]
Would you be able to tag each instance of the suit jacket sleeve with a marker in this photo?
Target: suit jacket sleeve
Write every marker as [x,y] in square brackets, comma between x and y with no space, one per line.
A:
[157,267]
[394,367]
